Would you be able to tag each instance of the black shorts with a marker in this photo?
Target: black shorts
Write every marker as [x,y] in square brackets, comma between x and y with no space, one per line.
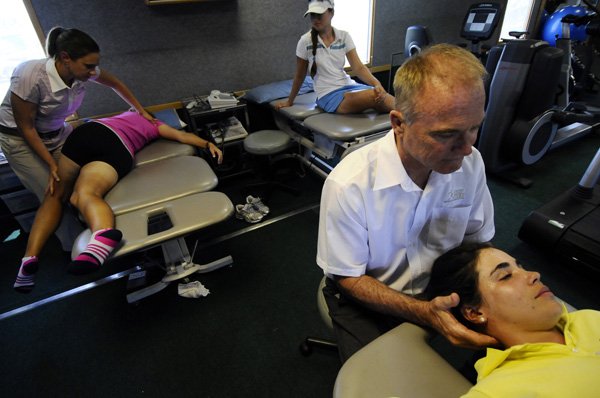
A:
[95,142]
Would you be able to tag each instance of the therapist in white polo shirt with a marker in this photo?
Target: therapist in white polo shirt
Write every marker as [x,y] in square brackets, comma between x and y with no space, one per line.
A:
[42,94]
[324,50]
[389,209]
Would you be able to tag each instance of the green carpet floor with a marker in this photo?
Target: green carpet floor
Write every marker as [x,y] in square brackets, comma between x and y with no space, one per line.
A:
[242,340]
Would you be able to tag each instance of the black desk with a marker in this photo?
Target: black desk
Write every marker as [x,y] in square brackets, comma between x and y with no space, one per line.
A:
[201,120]
[202,113]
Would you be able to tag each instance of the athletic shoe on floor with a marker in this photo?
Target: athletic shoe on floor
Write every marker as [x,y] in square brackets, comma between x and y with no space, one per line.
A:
[248,213]
[258,205]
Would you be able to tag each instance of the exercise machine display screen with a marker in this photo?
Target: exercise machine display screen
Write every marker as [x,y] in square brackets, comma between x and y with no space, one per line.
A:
[480,21]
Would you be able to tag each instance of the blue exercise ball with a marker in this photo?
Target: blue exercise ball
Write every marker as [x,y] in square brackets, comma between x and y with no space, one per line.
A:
[553,27]
[543,19]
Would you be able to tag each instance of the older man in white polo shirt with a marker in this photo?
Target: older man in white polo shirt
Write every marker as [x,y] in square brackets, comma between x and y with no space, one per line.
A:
[388,210]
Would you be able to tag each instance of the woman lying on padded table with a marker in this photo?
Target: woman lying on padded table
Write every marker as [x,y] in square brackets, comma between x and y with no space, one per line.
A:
[95,156]
[547,352]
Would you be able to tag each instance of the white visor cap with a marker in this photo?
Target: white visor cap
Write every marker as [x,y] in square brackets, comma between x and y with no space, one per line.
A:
[318,6]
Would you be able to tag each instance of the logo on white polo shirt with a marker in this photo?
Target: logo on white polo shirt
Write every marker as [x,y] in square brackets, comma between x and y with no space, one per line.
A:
[456,194]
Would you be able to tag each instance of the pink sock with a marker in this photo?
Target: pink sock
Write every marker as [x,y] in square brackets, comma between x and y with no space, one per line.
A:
[102,243]
[26,276]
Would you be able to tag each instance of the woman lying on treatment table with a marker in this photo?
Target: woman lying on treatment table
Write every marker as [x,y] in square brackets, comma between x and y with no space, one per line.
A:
[95,156]
[547,352]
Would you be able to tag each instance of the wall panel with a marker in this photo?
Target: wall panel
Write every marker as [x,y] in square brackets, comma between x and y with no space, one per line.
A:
[165,53]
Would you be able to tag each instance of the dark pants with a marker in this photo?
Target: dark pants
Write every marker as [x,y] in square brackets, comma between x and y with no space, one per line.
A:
[93,141]
[354,325]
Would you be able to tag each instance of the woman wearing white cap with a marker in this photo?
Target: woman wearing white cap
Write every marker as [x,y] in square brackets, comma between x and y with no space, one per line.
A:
[324,49]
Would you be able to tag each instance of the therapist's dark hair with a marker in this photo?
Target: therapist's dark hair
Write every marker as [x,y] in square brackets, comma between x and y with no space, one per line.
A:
[456,272]
[74,42]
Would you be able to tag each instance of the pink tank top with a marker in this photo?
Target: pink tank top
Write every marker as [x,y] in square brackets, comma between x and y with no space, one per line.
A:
[133,129]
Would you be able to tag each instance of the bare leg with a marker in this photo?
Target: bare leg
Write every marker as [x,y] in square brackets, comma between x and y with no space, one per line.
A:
[33,173]
[358,101]
[95,180]
[49,214]
[46,221]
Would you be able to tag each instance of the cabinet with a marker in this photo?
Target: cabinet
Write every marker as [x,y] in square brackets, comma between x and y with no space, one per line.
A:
[226,127]
[199,114]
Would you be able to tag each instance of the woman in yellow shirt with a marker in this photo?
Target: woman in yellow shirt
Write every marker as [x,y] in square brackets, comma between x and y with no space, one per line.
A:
[546,351]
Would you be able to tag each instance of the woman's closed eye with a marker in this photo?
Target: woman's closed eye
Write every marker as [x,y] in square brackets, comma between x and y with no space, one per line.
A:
[506,276]
[504,271]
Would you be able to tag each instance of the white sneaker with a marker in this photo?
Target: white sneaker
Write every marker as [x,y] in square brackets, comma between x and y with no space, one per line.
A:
[257,204]
[248,213]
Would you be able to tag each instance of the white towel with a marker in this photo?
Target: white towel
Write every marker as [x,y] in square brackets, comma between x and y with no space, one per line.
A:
[192,290]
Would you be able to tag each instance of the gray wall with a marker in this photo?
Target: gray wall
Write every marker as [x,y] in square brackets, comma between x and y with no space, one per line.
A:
[443,19]
[165,53]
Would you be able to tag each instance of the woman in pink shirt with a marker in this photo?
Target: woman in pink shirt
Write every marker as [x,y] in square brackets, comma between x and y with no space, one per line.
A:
[94,157]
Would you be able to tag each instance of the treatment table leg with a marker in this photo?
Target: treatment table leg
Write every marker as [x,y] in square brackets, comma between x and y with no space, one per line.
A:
[178,265]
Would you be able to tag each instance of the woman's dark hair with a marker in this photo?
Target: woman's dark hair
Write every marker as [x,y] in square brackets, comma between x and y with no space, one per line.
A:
[455,272]
[74,42]
[315,42]
[314,35]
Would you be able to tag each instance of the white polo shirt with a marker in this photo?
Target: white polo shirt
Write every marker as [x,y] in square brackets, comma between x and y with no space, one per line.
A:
[38,82]
[375,220]
[330,61]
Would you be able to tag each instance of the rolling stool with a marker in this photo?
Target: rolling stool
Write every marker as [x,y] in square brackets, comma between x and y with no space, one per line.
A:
[269,143]
[307,345]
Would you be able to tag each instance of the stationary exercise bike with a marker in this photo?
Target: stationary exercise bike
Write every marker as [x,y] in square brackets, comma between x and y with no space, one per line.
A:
[568,226]
[579,24]
[529,110]
[478,26]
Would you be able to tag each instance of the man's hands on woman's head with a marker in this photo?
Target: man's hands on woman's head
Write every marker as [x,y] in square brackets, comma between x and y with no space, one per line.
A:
[442,320]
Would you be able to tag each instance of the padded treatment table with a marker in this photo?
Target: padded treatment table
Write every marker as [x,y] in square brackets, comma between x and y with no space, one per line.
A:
[158,203]
[327,136]
[186,214]
[305,105]
[163,149]
[402,364]
[206,208]
[348,127]
[160,181]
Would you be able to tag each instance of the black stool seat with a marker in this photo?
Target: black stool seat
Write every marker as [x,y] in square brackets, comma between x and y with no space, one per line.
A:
[268,143]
